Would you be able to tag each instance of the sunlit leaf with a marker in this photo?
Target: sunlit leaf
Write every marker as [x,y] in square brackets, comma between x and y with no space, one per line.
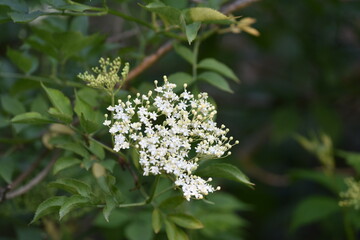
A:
[191,31]
[206,15]
[59,101]
[156,220]
[31,118]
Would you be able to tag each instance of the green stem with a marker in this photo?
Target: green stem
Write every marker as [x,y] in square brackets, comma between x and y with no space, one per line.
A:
[350,234]
[194,64]
[132,205]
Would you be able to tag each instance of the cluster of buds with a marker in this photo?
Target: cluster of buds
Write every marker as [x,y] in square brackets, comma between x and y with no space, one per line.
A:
[107,75]
[171,133]
[352,196]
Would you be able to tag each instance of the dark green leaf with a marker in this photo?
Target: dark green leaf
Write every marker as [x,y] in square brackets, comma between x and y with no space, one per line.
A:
[171,202]
[48,206]
[185,53]
[173,232]
[73,147]
[73,186]
[139,230]
[25,63]
[31,118]
[156,220]
[180,78]
[12,105]
[191,31]
[7,167]
[185,220]
[97,149]
[60,116]
[16,5]
[39,104]
[314,209]
[71,203]
[216,80]
[109,207]
[65,162]
[69,5]
[224,170]
[59,101]
[23,17]
[219,67]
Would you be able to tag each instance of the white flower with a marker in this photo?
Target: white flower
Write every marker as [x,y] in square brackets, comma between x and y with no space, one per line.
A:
[164,128]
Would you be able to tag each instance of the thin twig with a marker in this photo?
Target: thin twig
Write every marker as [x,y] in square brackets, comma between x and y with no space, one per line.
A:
[150,60]
[36,180]
[237,5]
[245,155]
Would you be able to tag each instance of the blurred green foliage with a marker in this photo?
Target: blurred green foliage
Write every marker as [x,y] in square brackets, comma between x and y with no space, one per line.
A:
[295,112]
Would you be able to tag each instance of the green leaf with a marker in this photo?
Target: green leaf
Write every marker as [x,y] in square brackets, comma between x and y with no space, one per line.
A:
[185,53]
[180,78]
[97,149]
[65,162]
[25,63]
[73,186]
[7,167]
[71,203]
[31,118]
[39,104]
[156,220]
[173,232]
[60,116]
[185,220]
[24,17]
[313,209]
[224,170]
[59,101]
[72,147]
[219,67]
[171,202]
[191,31]
[206,15]
[216,80]
[109,207]
[12,105]
[15,5]
[352,158]
[50,205]
[170,15]
[90,120]
[69,5]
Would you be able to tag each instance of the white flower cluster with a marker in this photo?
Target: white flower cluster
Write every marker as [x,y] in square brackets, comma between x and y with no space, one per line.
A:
[165,127]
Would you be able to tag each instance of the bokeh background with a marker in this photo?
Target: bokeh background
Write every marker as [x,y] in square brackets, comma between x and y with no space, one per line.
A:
[300,76]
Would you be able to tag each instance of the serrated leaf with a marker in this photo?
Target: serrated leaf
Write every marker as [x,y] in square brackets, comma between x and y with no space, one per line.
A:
[185,53]
[191,31]
[24,17]
[216,80]
[156,220]
[31,118]
[224,170]
[109,207]
[170,15]
[180,78]
[25,63]
[65,162]
[185,220]
[50,205]
[219,67]
[313,209]
[73,186]
[12,105]
[206,15]
[59,101]
[89,119]
[71,203]
[171,202]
